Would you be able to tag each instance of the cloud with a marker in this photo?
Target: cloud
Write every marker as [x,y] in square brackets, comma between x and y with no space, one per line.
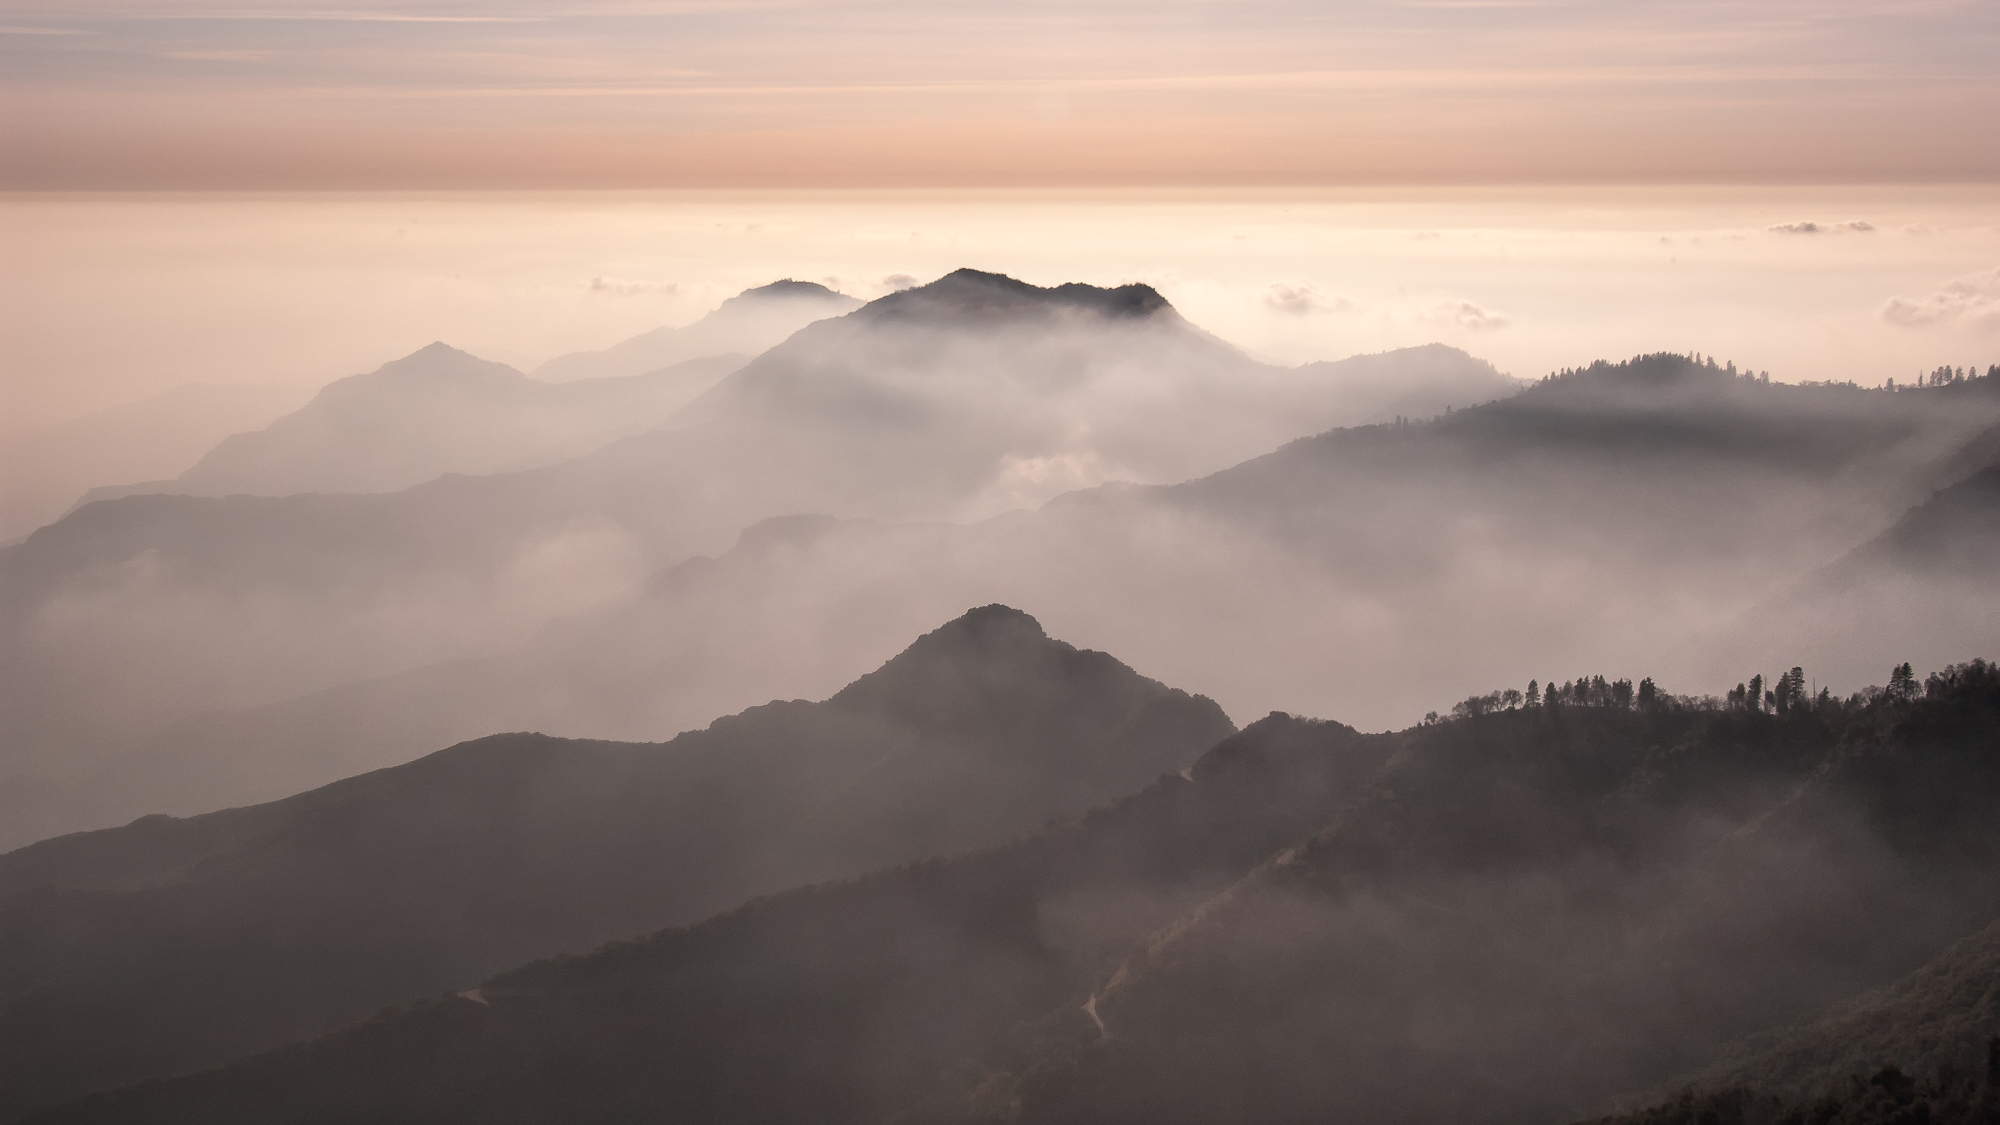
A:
[629,287]
[1302,300]
[1821,228]
[1466,314]
[897,282]
[1971,301]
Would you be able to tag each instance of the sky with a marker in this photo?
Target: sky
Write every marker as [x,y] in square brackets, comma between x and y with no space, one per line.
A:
[527,94]
[108,298]
[286,192]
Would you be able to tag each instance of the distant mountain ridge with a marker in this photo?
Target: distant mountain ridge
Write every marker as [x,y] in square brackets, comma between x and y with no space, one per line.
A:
[747,323]
[44,469]
[437,410]
[170,945]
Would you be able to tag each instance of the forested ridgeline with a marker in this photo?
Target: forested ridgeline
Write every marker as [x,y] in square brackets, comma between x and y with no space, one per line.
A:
[1511,914]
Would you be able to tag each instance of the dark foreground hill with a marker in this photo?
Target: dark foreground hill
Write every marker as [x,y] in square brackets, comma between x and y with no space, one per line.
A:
[169,945]
[1506,916]
[1925,1049]
[1942,1015]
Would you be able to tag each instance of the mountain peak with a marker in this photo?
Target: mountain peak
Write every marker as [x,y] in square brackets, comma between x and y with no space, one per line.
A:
[989,632]
[969,295]
[977,651]
[436,362]
[786,293]
[791,288]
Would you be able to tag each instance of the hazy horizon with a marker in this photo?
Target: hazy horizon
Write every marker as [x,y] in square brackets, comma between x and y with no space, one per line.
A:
[122,296]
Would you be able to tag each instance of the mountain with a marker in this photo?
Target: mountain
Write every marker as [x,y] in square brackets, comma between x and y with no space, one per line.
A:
[1409,383]
[1923,587]
[1582,521]
[1500,916]
[1953,532]
[745,324]
[1924,1049]
[435,411]
[169,945]
[1577,521]
[43,470]
[974,394]
[440,410]
[1942,1015]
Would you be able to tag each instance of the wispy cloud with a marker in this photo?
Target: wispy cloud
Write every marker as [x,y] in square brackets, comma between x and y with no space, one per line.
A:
[1972,301]
[1809,227]
[1466,314]
[1302,300]
[631,287]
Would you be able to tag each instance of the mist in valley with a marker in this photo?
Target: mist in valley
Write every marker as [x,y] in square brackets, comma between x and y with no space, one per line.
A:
[1578,748]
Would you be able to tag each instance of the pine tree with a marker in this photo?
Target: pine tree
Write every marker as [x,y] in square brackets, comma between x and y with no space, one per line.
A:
[1903,683]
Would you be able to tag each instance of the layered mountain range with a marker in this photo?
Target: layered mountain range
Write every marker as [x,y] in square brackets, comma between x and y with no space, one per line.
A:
[440,410]
[1659,513]
[992,876]
[975,392]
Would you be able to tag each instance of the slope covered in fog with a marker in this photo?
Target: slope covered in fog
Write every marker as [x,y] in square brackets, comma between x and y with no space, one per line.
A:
[747,323]
[168,945]
[1503,916]
[437,410]
[43,470]
[1587,521]
[972,394]
[440,410]
[1926,1048]
[1582,521]
[1941,1015]
[1923,587]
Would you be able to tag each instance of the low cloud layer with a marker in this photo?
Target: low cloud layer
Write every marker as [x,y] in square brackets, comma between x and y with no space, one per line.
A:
[1809,227]
[631,287]
[1303,300]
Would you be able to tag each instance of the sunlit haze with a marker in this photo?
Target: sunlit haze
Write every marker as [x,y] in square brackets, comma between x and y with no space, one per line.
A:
[1048,562]
[112,298]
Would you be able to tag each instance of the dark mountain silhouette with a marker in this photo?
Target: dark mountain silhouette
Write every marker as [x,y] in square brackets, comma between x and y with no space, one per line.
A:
[747,323]
[169,945]
[1502,916]
[973,394]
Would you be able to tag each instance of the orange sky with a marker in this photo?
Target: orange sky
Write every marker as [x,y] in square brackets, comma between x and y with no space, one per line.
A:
[153,94]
